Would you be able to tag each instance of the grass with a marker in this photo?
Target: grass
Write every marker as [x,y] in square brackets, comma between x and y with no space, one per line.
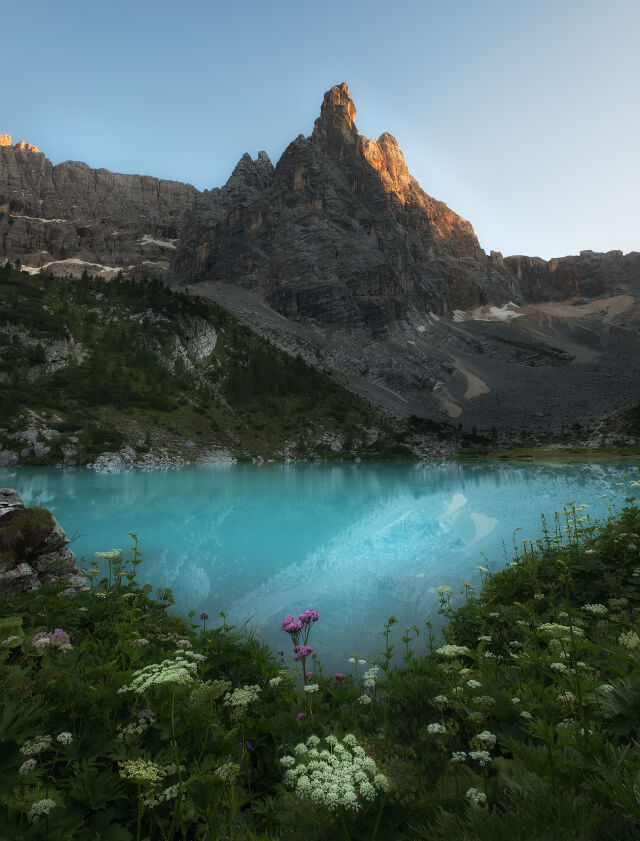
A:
[520,723]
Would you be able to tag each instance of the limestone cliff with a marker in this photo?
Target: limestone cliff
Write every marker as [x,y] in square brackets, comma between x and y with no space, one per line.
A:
[70,217]
[339,232]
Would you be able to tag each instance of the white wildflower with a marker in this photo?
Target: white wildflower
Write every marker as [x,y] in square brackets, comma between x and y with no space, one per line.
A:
[474,684]
[32,747]
[178,670]
[526,714]
[310,688]
[275,681]
[364,699]
[27,766]
[441,700]
[435,729]
[241,698]
[453,650]
[458,756]
[476,798]
[481,756]
[64,738]
[629,640]
[40,808]
[595,609]
[559,667]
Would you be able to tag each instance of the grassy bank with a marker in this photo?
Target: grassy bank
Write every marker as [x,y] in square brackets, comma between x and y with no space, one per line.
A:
[120,722]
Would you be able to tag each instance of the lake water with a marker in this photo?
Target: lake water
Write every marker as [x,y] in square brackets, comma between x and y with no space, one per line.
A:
[356,542]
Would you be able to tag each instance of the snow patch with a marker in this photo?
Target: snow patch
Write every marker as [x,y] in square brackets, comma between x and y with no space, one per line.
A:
[487,313]
[36,218]
[163,243]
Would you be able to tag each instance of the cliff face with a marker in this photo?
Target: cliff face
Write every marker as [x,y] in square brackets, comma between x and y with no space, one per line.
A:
[589,275]
[339,232]
[71,217]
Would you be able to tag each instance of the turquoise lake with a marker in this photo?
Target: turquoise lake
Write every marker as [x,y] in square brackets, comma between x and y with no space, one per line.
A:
[356,542]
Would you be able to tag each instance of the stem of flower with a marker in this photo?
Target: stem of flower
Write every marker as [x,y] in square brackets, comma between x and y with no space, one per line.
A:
[139,827]
[344,826]
[375,828]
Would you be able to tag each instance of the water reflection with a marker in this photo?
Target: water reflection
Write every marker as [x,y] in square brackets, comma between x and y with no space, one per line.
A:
[356,542]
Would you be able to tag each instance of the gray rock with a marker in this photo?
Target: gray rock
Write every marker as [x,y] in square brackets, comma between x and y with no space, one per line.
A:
[8,458]
[49,559]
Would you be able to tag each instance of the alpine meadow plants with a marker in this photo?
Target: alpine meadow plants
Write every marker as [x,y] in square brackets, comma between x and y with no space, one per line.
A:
[519,723]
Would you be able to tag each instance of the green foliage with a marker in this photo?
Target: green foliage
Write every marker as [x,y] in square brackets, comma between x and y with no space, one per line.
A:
[524,724]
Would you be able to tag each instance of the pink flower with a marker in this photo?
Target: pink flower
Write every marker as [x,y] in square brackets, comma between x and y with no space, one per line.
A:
[291,625]
[301,651]
[308,617]
[300,716]
[339,677]
[59,637]
[309,675]
[41,635]
[204,615]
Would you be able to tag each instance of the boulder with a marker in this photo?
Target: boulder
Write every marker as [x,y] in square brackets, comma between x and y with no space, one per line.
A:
[33,548]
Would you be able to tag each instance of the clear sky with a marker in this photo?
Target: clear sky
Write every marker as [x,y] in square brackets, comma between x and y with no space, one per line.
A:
[522,115]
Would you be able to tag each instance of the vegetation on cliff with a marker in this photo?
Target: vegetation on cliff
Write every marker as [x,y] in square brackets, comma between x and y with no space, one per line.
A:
[120,721]
[106,364]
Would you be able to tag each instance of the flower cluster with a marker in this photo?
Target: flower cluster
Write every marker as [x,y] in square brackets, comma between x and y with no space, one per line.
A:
[562,631]
[453,650]
[475,797]
[64,738]
[177,671]
[35,746]
[165,796]
[595,609]
[301,651]
[41,807]
[58,639]
[141,771]
[241,698]
[228,771]
[143,720]
[629,640]
[436,729]
[341,777]
[27,766]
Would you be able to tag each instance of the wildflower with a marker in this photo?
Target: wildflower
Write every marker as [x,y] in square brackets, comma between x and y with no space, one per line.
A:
[485,738]
[287,761]
[560,630]
[204,616]
[458,756]
[362,662]
[481,756]
[340,778]
[241,698]
[308,617]
[311,688]
[538,596]
[484,638]
[606,688]
[526,714]
[494,614]
[483,569]
[364,699]
[476,798]
[595,609]
[370,677]
[32,747]
[41,640]
[184,644]
[275,681]
[474,684]
[27,766]
[100,594]
[291,625]
[83,610]
[64,738]
[178,671]
[566,697]
[453,650]
[352,660]
[141,642]
[300,716]
[629,640]
[515,700]
[436,728]
[443,590]
[41,807]
[228,771]
[441,700]
[301,651]
[141,771]
[483,701]
[112,555]
[339,677]
[559,667]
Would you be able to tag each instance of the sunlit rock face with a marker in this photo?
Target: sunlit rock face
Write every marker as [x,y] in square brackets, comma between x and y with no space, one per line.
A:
[69,218]
[339,232]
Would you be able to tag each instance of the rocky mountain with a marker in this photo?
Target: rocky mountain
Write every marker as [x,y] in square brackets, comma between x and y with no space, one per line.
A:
[70,218]
[337,254]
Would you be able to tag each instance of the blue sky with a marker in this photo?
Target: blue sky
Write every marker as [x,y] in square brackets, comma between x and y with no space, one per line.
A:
[522,116]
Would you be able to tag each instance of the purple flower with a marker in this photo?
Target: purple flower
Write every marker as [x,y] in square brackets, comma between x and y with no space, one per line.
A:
[41,635]
[339,677]
[59,637]
[309,675]
[300,716]
[291,625]
[132,571]
[301,651]
[308,617]
[204,616]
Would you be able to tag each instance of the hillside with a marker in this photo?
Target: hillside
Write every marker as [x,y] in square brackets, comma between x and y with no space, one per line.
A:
[89,366]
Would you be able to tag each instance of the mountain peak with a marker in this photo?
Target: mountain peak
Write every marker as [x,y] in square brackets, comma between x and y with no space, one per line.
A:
[336,124]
